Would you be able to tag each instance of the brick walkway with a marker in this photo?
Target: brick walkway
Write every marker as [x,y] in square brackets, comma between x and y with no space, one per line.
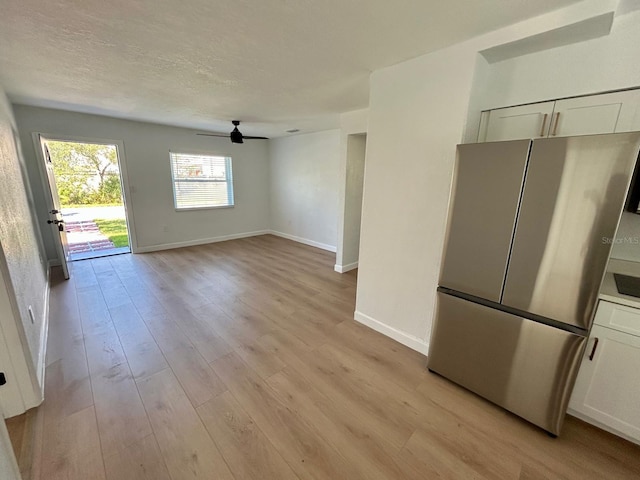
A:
[85,237]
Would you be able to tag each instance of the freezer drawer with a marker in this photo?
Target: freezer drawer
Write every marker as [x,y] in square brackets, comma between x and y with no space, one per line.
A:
[524,366]
[484,203]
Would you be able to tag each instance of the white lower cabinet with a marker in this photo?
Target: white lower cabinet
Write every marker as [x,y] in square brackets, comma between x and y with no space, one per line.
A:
[607,390]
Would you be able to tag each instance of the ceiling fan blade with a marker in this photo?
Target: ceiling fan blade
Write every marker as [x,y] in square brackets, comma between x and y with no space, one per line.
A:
[248,137]
[213,135]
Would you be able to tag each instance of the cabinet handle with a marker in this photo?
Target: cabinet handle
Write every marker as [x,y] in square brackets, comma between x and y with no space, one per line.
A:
[544,122]
[555,125]
[593,349]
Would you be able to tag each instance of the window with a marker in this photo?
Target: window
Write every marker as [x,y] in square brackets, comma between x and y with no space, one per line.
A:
[201,181]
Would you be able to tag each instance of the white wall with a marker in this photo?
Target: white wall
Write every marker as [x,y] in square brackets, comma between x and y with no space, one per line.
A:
[23,278]
[592,66]
[417,114]
[627,243]
[304,186]
[147,148]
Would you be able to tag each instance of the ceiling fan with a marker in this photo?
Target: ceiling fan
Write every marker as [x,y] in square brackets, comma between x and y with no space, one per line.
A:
[235,135]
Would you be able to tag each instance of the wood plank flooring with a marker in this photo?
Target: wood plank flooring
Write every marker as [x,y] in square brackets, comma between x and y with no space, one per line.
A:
[241,360]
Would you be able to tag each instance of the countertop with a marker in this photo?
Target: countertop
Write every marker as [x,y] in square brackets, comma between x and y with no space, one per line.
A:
[609,292]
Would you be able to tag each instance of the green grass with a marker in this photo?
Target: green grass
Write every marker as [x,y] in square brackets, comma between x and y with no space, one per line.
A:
[115,229]
[91,205]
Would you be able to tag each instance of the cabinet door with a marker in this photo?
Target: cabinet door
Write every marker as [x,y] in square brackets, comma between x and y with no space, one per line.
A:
[618,317]
[515,123]
[607,113]
[608,386]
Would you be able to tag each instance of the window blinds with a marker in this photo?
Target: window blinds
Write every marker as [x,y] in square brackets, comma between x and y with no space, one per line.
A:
[201,181]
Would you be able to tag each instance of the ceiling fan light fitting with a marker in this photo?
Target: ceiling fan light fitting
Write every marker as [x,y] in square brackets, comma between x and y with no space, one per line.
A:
[236,136]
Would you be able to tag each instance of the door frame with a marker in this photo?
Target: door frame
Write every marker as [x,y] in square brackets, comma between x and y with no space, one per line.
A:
[357,126]
[122,165]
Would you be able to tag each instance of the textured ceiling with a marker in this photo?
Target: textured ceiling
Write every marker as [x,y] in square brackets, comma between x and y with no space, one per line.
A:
[275,64]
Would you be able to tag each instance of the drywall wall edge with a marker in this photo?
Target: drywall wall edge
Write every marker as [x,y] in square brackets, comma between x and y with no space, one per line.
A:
[410,341]
[345,268]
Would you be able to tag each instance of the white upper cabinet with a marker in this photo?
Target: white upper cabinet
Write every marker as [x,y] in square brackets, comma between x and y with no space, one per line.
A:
[607,113]
[594,114]
[514,123]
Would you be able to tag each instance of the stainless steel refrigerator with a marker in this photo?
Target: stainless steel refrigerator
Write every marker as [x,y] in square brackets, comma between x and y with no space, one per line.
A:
[530,229]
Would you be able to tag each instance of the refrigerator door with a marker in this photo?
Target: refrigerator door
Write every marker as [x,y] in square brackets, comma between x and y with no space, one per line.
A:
[524,366]
[486,191]
[571,205]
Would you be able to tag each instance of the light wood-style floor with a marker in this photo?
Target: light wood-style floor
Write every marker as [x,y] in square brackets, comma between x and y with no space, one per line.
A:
[240,360]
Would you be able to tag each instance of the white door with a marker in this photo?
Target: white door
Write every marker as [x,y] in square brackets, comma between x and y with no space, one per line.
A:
[515,123]
[11,400]
[10,397]
[55,214]
[608,386]
[607,113]
[8,466]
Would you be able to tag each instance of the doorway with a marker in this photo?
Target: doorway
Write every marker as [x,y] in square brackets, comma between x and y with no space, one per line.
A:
[348,251]
[89,214]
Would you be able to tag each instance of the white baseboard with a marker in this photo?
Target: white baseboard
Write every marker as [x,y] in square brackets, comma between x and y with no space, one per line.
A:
[201,241]
[223,238]
[53,263]
[306,241]
[345,268]
[410,341]
[601,425]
